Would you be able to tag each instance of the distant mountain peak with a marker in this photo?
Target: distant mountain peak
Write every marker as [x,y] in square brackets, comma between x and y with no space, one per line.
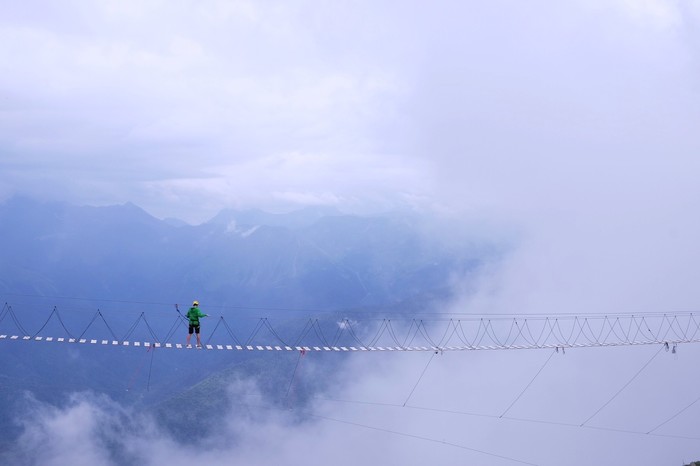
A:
[251,217]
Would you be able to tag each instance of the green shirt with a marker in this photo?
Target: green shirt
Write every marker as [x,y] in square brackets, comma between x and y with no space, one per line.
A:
[194,314]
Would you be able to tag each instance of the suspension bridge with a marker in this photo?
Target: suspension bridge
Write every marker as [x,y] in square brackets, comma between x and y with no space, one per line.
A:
[437,334]
[367,333]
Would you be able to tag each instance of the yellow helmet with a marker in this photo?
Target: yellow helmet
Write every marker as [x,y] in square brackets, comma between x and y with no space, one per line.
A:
[195,303]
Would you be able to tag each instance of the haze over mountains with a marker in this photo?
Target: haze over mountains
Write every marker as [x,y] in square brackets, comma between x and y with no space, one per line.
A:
[63,403]
[123,261]
[309,258]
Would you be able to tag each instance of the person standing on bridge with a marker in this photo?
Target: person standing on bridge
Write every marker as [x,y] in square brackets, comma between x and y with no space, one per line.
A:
[194,315]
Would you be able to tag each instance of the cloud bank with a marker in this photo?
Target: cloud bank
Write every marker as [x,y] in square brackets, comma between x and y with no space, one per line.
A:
[465,409]
[185,109]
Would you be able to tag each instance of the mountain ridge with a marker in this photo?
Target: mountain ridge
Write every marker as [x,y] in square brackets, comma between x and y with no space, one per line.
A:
[311,258]
[120,258]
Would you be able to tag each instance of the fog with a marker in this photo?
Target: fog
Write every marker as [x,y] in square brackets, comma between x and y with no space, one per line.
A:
[571,127]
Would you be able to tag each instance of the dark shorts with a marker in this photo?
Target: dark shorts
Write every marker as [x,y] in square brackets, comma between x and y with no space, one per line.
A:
[194,328]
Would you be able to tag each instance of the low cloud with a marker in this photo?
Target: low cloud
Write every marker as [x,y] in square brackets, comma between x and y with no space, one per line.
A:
[408,408]
[573,125]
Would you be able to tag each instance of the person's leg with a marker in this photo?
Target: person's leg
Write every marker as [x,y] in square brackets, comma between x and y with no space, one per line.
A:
[199,341]
[189,335]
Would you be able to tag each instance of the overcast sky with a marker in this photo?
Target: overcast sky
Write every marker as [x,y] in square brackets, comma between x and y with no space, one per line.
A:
[187,107]
[573,123]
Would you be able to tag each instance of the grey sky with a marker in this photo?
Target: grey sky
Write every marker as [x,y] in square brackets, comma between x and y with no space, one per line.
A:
[186,108]
[573,123]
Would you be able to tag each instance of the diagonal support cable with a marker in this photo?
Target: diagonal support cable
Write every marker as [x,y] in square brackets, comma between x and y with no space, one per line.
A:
[622,388]
[420,378]
[527,386]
